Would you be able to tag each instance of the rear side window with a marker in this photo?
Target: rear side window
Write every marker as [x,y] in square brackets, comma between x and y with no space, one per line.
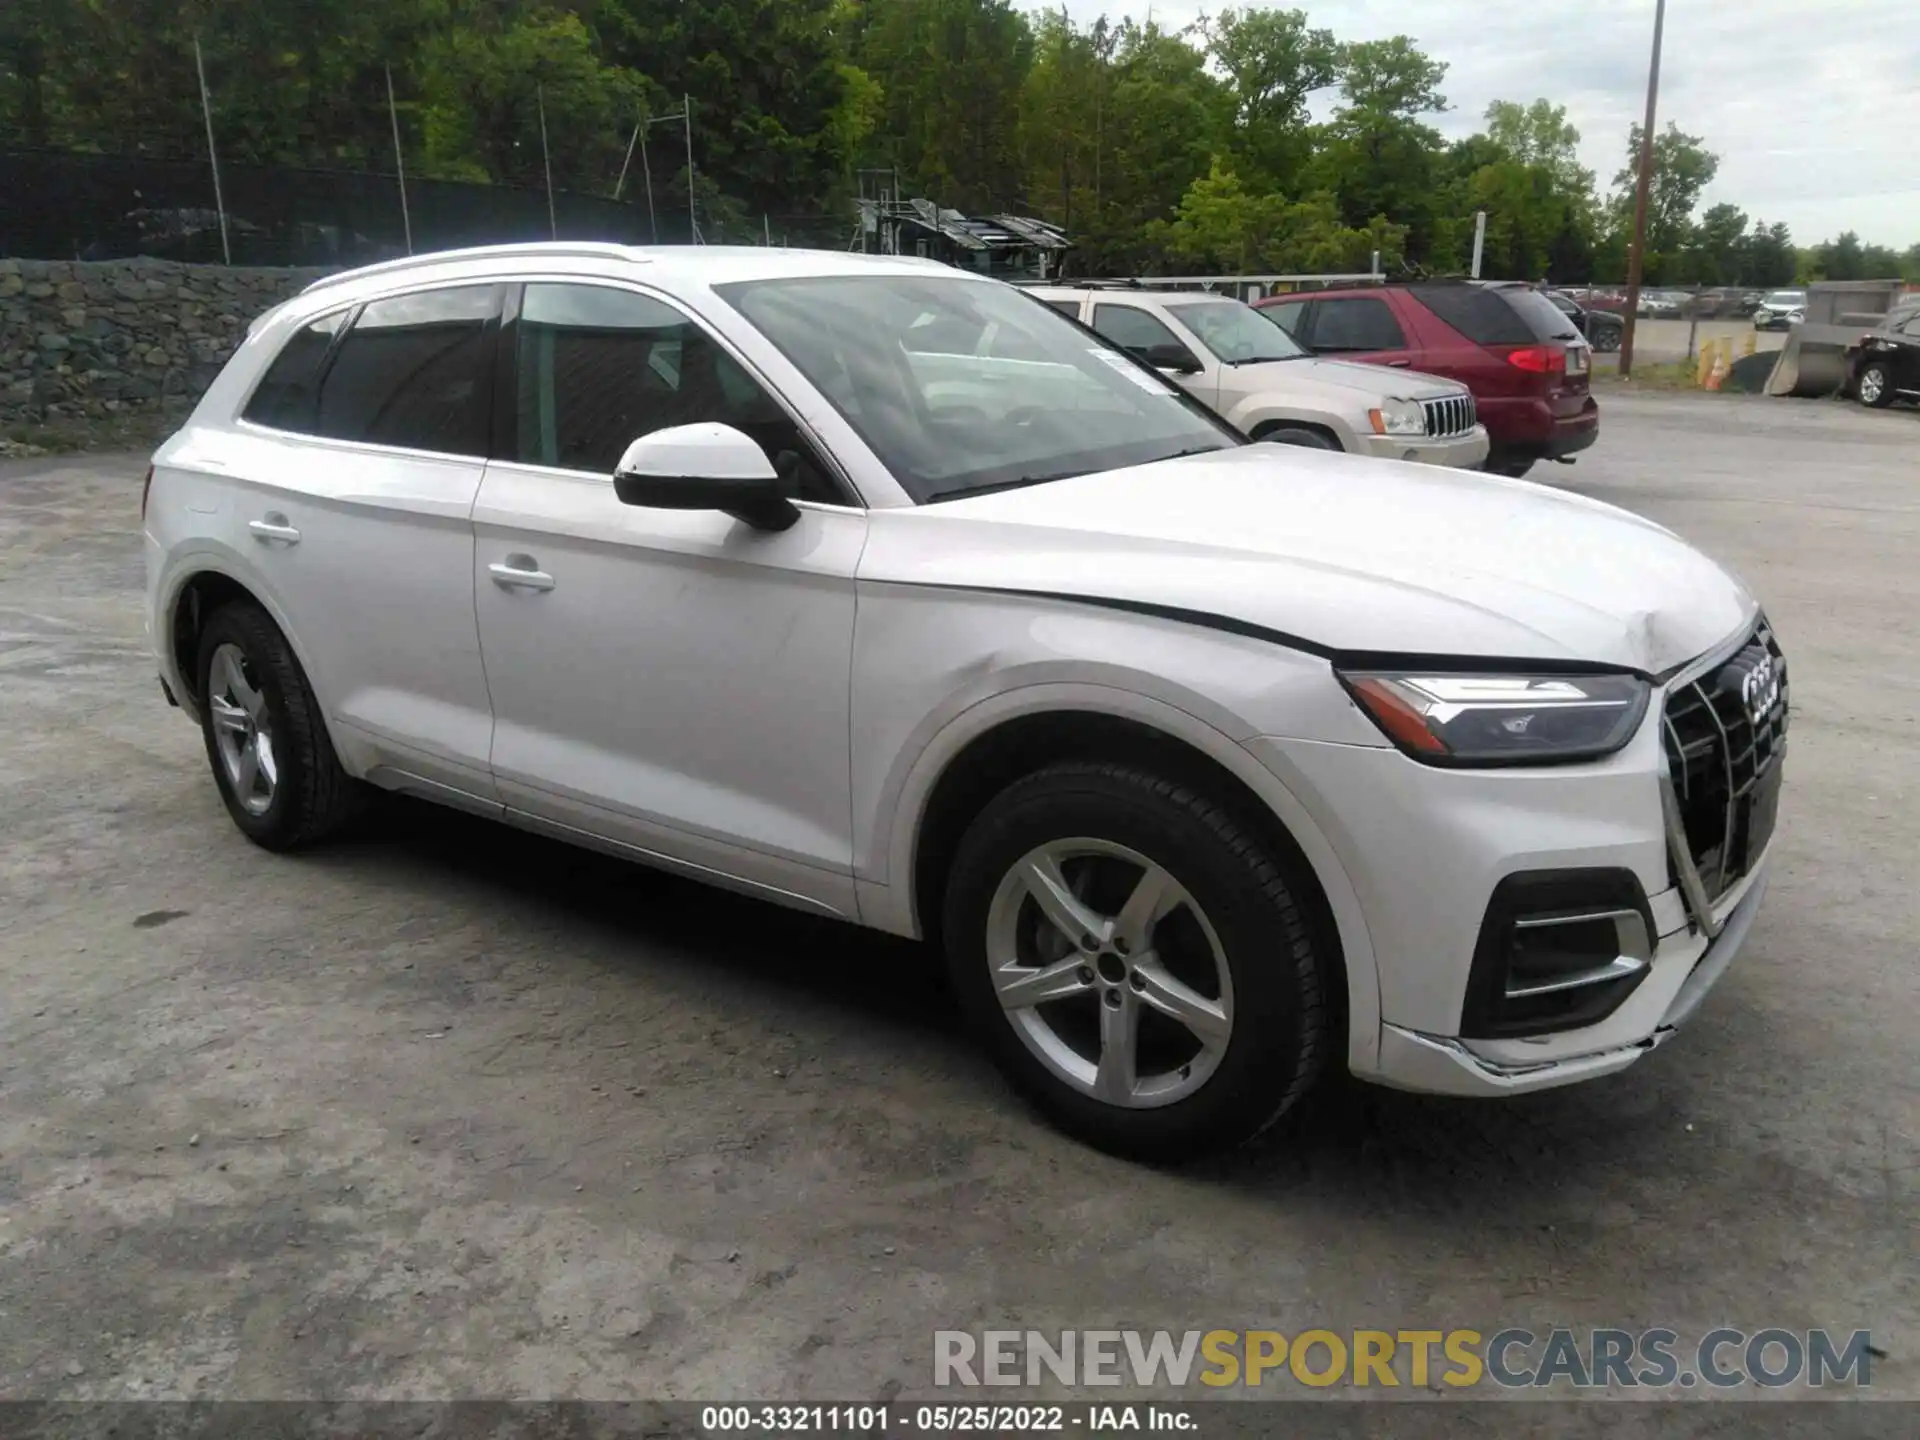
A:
[415,371]
[1069,308]
[287,396]
[1490,317]
[1358,324]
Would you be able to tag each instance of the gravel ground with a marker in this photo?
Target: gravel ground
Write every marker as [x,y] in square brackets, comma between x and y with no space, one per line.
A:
[451,1111]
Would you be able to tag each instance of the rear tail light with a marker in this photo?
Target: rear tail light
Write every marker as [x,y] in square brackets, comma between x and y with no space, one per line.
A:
[1539,359]
[146,488]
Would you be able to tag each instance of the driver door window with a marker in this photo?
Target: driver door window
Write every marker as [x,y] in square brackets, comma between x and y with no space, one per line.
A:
[1136,330]
[596,368]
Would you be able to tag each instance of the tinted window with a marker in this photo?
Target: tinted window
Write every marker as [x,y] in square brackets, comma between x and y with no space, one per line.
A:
[1043,400]
[597,368]
[1479,314]
[1356,325]
[414,371]
[1070,308]
[287,394]
[1287,317]
[1133,329]
[1539,314]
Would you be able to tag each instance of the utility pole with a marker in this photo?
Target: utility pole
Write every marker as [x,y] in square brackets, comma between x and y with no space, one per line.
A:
[399,163]
[1479,240]
[693,217]
[1640,195]
[546,160]
[213,156]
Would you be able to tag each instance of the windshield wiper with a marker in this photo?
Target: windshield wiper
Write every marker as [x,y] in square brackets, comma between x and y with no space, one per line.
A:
[957,492]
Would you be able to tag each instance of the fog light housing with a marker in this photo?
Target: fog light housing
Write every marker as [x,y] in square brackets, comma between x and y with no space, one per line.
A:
[1558,950]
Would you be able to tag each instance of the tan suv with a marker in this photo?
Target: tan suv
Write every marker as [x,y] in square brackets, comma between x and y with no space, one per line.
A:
[1262,382]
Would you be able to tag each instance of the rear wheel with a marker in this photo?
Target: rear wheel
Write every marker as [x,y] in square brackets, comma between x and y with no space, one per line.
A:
[1294,435]
[1875,385]
[268,746]
[1141,967]
[1606,339]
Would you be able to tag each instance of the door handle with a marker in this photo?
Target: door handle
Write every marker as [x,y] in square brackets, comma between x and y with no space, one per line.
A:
[1401,364]
[520,572]
[274,527]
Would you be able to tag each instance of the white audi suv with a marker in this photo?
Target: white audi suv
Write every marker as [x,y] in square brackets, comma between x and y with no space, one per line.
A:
[881,590]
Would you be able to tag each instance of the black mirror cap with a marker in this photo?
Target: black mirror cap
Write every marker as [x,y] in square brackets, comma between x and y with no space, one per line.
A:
[759,501]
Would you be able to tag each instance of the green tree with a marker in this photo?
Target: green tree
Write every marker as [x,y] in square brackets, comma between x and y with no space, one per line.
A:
[1682,168]
[1376,157]
[952,72]
[1273,61]
[484,87]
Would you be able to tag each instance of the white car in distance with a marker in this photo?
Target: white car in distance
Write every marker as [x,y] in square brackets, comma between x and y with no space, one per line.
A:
[1241,364]
[880,590]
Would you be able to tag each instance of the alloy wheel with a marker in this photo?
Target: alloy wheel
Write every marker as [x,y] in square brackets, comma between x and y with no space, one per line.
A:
[1872,385]
[242,729]
[1109,972]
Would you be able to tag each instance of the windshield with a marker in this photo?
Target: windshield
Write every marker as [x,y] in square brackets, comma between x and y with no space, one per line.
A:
[1238,334]
[963,385]
[1786,297]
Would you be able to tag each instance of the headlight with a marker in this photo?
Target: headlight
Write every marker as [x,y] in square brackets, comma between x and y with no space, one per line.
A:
[1466,719]
[1398,417]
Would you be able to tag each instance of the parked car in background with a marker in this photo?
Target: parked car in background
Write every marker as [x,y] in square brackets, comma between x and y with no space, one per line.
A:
[1602,328]
[1248,370]
[1723,302]
[878,590]
[1662,304]
[1780,309]
[1525,362]
[1884,365]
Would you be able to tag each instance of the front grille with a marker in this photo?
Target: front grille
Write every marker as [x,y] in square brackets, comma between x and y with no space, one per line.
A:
[1725,735]
[1448,416]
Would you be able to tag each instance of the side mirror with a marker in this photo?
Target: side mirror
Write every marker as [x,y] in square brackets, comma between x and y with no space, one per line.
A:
[1175,358]
[704,467]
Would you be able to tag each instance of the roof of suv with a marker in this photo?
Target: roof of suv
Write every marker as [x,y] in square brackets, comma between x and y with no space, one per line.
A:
[704,264]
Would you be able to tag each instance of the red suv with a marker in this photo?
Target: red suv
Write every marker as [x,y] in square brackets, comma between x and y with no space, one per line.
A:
[1522,358]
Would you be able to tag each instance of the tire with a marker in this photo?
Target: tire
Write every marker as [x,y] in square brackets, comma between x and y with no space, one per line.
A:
[1606,339]
[1874,387]
[1235,937]
[1294,435]
[293,793]
[1514,467]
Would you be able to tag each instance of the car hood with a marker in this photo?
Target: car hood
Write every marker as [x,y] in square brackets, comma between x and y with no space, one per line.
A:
[1335,379]
[1340,553]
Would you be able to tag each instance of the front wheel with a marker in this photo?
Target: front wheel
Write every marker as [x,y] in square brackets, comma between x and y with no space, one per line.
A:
[1295,435]
[266,741]
[1141,966]
[1875,385]
[1606,341]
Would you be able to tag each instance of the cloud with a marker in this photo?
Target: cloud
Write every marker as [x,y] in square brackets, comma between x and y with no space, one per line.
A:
[1813,106]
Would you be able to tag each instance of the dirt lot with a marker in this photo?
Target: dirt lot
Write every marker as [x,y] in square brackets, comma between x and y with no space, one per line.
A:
[448,1111]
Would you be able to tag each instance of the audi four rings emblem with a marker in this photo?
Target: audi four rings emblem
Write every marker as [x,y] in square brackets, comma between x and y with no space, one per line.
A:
[1760,689]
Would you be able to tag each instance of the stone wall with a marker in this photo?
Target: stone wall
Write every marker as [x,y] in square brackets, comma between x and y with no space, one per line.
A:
[106,337]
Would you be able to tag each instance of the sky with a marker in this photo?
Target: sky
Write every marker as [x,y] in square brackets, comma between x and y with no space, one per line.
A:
[1813,106]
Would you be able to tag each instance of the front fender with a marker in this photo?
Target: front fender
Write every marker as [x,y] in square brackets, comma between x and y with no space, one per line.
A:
[1250,415]
[886,899]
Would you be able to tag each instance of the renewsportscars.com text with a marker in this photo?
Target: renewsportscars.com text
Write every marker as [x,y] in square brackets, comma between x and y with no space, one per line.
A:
[1512,1358]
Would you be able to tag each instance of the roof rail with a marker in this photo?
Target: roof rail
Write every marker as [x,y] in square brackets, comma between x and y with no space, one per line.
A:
[585,249]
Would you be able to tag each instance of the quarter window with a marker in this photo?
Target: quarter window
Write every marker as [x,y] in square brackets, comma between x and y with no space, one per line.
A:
[290,390]
[1287,317]
[415,372]
[1356,325]
[597,368]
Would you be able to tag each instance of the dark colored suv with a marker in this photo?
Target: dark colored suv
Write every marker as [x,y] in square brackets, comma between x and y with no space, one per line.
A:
[1525,362]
